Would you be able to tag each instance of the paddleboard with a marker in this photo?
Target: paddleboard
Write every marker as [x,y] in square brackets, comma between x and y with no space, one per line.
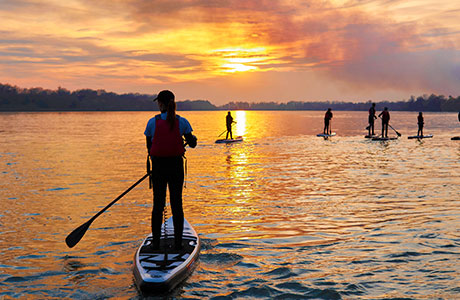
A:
[456,138]
[420,136]
[229,141]
[155,271]
[384,138]
[326,135]
[370,136]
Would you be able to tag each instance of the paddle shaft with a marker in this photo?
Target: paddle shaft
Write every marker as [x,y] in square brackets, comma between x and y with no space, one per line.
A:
[225,130]
[222,133]
[394,129]
[75,236]
[119,197]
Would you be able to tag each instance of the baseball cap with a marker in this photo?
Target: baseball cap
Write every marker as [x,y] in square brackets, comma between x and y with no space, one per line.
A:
[164,96]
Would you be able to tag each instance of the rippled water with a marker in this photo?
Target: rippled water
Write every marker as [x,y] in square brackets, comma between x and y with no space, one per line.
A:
[284,214]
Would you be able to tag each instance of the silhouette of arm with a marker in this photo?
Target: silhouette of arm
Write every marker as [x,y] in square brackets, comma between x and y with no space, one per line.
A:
[149,142]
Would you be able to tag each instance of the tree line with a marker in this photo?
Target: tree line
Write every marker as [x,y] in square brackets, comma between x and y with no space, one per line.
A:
[13,98]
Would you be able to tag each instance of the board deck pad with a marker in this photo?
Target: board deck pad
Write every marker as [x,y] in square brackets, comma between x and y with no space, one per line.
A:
[228,141]
[162,269]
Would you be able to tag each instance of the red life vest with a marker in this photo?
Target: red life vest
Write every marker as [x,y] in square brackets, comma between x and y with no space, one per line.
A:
[385,116]
[166,142]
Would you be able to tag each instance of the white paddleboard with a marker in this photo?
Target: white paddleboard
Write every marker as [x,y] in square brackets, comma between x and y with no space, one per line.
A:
[162,270]
[326,135]
[229,141]
[420,136]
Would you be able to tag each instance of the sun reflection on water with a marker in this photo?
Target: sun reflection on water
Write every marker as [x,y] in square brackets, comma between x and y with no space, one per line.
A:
[240,118]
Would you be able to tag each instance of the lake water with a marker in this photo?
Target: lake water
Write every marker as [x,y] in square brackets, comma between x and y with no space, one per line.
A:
[284,215]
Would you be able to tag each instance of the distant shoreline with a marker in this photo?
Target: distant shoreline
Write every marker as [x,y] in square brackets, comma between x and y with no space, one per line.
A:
[15,99]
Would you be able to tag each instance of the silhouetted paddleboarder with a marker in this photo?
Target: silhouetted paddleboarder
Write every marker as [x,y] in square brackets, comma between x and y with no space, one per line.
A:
[371,119]
[229,121]
[166,149]
[385,116]
[327,122]
[420,122]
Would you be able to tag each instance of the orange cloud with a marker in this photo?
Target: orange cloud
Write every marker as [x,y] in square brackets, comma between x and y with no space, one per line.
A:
[375,46]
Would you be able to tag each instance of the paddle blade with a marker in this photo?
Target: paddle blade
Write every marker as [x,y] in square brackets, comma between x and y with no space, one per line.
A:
[75,236]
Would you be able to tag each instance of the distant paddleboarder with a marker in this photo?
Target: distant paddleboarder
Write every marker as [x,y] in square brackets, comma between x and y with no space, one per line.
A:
[371,119]
[166,149]
[385,116]
[229,121]
[420,123]
[327,122]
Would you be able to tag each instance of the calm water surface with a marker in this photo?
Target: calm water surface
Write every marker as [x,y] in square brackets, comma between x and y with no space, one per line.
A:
[283,215]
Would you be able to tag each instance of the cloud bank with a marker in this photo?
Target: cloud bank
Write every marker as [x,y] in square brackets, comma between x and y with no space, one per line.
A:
[235,49]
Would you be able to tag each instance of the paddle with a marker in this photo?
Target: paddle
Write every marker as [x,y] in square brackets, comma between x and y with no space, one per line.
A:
[222,133]
[394,129]
[75,236]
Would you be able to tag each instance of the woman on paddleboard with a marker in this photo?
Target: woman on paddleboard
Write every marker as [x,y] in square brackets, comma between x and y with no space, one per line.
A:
[164,135]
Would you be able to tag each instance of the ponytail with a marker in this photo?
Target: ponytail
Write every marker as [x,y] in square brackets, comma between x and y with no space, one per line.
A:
[171,118]
[166,98]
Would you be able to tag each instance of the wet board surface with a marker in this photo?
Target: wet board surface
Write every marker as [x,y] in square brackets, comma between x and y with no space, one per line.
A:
[326,135]
[370,136]
[384,139]
[420,136]
[163,269]
[229,141]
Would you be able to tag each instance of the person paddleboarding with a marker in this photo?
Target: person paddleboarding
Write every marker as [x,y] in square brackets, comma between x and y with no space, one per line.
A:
[229,121]
[327,121]
[166,148]
[420,122]
[385,116]
[371,120]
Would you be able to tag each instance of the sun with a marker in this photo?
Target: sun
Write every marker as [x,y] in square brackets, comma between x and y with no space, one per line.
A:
[239,59]
[231,68]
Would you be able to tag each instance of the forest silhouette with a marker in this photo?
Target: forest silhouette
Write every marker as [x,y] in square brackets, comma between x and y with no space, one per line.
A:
[13,98]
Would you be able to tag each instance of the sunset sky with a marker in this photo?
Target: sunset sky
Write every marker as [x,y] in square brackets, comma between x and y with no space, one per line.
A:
[235,50]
